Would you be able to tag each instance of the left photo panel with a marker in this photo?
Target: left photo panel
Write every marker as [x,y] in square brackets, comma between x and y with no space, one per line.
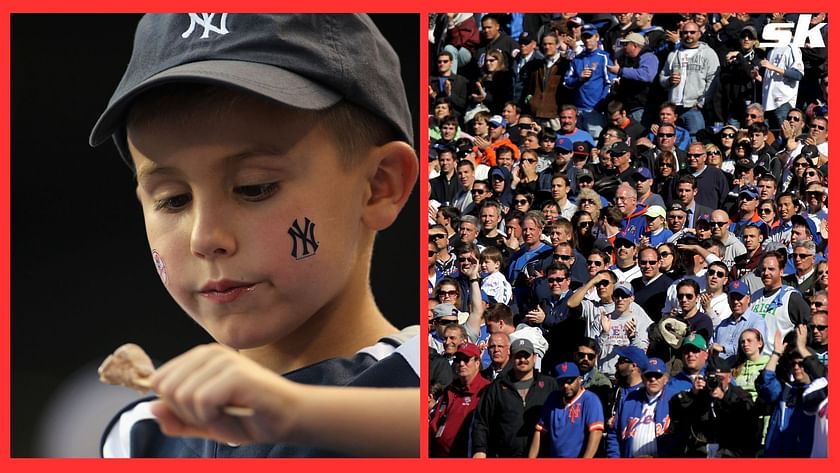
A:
[214,233]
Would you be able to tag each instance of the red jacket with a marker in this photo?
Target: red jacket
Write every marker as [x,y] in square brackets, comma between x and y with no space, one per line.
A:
[449,427]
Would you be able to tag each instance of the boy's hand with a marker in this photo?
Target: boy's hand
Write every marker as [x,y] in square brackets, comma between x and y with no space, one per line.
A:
[195,386]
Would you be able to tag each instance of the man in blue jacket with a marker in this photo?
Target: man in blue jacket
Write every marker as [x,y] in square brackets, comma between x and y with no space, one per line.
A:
[642,424]
[589,77]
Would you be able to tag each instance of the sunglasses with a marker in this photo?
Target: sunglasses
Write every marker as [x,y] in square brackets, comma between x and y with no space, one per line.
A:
[718,224]
[521,202]
[694,155]
[594,263]
[727,135]
[653,376]
[432,253]
[530,160]
[460,359]
[477,191]
[436,236]
[800,164]
[587,223]
[717,274]
[792,118]
[666,165]
[765,211]
[689,32]
[602,284]
[811,174]
[687,297]
[752,115]
[586,201]
[464,260]
[814,194]
[714,153]
[447,293]
[563,257]
[818,304]
[647,262]
[665,254]
[616,154]
[800,255]
[589,356]
[818,327]
[621,295]
[666,135]
[749,37]
[444,321]
[818,127]
[555,280]
[625,244]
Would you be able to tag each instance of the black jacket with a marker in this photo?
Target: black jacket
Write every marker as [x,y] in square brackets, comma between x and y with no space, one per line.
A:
[504,425]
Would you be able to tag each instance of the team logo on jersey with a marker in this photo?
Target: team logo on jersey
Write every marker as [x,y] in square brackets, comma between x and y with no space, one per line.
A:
[303,239]
[574,413]
[205,20]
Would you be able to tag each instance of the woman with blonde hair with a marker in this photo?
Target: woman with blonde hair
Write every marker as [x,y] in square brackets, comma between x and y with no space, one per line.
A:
[590,201]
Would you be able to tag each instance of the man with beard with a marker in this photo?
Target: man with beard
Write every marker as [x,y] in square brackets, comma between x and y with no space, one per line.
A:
[628,375]
[571,423]
[625,268]
[510,406]
[449,425]
[586,358]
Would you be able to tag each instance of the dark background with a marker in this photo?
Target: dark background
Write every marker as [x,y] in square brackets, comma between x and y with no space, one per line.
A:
[82,280]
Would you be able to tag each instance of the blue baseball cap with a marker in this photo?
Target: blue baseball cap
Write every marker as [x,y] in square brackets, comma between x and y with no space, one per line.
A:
[634,354]
[655,365]
[567,369]
[563,143]
[588,30]
[750,191]
[497,121]
[738,287]
[644,172]
[624,288]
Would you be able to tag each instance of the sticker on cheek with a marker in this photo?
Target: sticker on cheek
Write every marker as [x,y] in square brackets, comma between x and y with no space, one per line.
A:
[160,266]
[304,243]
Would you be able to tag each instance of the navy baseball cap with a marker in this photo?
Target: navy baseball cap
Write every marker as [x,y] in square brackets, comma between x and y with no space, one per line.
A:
[644,173]
[632,353]
[307,61]
[750,191]
[619,147]
[588,30]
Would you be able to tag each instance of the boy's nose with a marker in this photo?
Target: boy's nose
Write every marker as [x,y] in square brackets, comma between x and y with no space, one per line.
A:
[212,234]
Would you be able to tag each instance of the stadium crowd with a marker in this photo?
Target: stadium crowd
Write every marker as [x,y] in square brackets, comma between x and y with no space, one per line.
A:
[628,235]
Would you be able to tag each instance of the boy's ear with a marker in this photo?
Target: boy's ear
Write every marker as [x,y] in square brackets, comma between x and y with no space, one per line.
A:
[392,176]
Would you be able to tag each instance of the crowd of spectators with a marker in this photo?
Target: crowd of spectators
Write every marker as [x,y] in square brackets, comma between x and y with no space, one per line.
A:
[628,235]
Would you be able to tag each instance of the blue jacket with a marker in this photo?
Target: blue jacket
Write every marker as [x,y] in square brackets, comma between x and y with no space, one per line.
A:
[590,93]
[790,433]
[627,417]
[634,225]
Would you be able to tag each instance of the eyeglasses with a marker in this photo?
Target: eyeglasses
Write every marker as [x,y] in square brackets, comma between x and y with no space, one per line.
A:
[818,304]
[714,153]
[694,155]
[563,257]
[555,280]
[818,127]
[717,274]
[652,376]
[647,262]
[586,201]
[602,284]
[594,263]
[462,259]
[477,191]
[793,118]
[727,135]
[530,160]
[800,255]
[814,194]
[817,327]
[521,201]
[800,164]
[625,244]
[811,174]
[689,31]
[587,223]
[443,61]
[687,297]
[718,224]
[622,360]
[621,295]
[589,356]
[436,236]
[666,165]
[765,210]
[451,293]
[666,135]
[752,115]
[665,254]
[460,359]
[432,253]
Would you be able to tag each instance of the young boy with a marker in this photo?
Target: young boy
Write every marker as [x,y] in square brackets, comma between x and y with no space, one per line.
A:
[268,151]
[494,283]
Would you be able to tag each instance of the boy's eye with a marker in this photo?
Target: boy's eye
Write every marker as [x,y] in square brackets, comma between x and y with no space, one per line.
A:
[172,204]
[257,192]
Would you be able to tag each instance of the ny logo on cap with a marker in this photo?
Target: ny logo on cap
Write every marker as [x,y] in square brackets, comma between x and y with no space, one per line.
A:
[564,367]
[206,20]
[654,362]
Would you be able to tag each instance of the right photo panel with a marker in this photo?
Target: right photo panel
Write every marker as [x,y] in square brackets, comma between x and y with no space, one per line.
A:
[628,235]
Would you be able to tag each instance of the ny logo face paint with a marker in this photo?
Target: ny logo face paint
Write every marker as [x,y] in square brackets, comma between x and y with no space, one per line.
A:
[303,239]
[160,266]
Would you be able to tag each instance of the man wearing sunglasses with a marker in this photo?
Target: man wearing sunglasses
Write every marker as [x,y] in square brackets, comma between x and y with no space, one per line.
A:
[728,333]
[720,229]
[819,336]
[804,257]
[651,288]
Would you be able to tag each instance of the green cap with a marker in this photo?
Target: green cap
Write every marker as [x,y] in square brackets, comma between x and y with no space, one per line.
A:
[695,339]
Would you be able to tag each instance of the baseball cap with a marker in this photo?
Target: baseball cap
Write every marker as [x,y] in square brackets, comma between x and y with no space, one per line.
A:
[632,353]
[751,30]
[738,287]
[567,369]
[307,61]
[469,349]
[619,147]
[704,217]
[655,365]
[582,148]
[575,20]
[718,364]
[623,288]
[677,206]
[744,163]
[563,143]
[633,38]
[588,30]
[810,152]
[525,38]
[497,120]
[750,191]
[584,172]
[520,345]
[444,310]
[644,173]
[696,340]
[622,237]
[655,211]
[803,221]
